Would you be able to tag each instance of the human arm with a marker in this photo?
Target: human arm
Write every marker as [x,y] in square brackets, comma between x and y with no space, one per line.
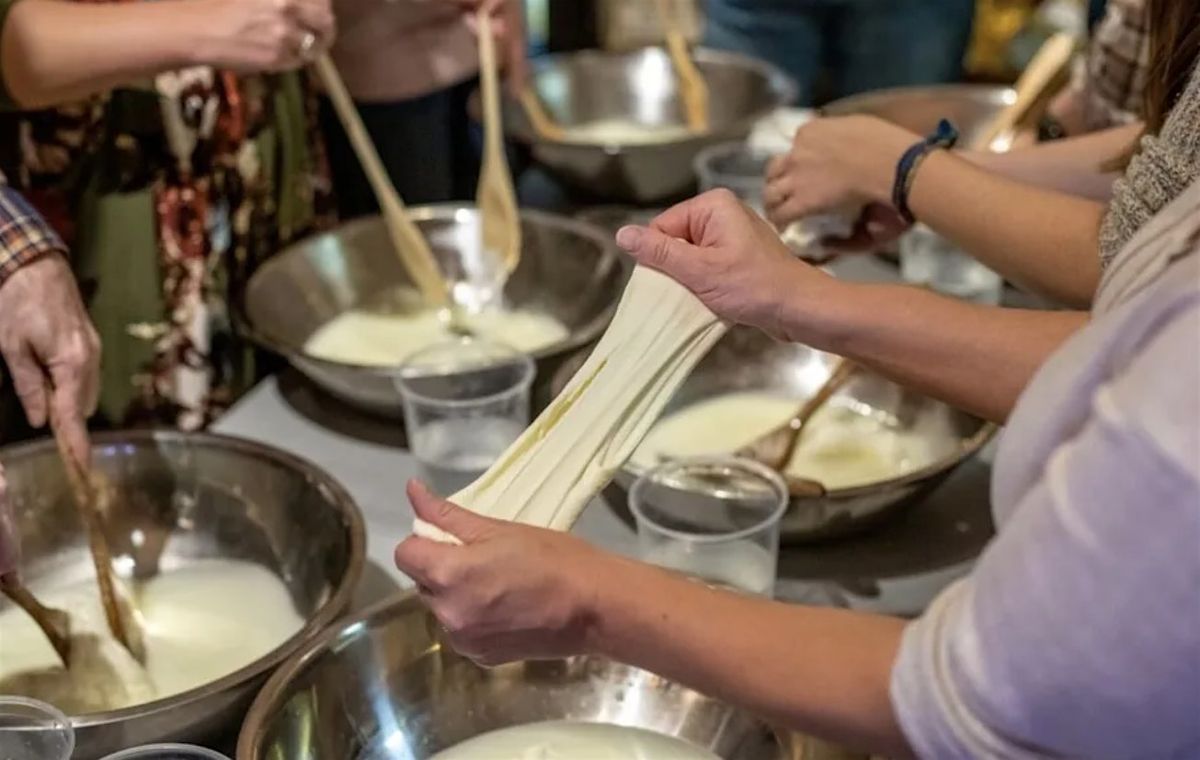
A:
[1044,240]
[514,592]
[1074,165]
[55,51]
[975,357]
[48,342]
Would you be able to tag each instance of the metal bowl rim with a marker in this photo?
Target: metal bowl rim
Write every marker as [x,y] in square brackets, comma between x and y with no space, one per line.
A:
[852,104]
[610,255]
[783,88]
[321,619]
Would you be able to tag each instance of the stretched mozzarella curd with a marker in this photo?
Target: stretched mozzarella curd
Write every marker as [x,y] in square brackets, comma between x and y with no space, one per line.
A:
[572,740]
[386,340]
[622,131]
[201,622]
[840,447]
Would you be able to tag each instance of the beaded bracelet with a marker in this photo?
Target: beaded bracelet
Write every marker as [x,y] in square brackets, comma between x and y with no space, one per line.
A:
[906,169]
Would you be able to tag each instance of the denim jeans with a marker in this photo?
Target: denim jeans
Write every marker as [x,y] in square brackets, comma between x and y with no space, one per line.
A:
[834,48]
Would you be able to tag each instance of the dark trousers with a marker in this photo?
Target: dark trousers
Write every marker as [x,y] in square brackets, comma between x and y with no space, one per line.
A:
[427,144]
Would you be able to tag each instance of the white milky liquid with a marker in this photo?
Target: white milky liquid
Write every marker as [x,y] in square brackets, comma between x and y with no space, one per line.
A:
[454,453]
[739,565]
[620,131]
[386,340]
[840,447]
[572,740]
[201,622]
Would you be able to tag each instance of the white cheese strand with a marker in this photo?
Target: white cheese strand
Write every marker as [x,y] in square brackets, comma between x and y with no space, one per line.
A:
[571,451]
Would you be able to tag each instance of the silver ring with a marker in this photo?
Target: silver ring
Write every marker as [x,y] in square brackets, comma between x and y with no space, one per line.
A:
[307,44]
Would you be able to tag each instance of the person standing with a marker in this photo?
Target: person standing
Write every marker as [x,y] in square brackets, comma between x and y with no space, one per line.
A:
[411,66]
[834,48]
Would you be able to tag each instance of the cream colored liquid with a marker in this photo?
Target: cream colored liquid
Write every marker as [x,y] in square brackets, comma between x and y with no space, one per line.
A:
[840,448]
[571,740]
[385,340]
[201,622]
[618,131]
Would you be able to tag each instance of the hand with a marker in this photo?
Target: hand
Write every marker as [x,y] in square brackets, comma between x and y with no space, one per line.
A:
[263,35]
[510,592]
[878,224]
[10,543]
[835,164]
[728,256]
[48,341]
[508,24]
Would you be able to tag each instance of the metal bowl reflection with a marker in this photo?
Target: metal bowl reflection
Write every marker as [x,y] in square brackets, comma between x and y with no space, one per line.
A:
[382,686]
[748,360]
[181,498]
[641,86]
[568,269]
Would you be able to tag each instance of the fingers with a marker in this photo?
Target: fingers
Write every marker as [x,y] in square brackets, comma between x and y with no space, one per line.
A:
[423,561]
[30,384]
[653,248]
[315,17]
[67,412]
[463,524]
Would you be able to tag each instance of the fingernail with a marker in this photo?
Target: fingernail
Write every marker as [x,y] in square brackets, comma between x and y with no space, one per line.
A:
[629,236]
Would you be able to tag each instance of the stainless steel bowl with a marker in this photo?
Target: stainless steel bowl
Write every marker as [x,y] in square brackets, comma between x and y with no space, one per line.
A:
[568,269]
[970,107]
[641,85]
[382,686]
[747,359]
[207,496]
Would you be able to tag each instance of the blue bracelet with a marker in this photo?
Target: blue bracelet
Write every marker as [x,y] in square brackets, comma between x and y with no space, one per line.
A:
[944,137]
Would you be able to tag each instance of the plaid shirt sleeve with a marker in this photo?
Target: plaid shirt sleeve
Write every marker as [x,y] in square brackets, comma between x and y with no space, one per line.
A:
[24,235]
[1112,80]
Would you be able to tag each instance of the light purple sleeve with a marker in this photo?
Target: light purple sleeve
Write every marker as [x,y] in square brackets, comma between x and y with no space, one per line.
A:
[1078,635]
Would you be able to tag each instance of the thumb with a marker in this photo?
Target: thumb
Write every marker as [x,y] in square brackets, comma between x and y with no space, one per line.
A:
[463,524]
[653,248]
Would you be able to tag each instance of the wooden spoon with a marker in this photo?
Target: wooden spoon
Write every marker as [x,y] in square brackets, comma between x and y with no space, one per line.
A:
[495,197]
[118,610]
[1039,76]
[410,244]
[56,624]
[692,86]
[546,127]
[775,449]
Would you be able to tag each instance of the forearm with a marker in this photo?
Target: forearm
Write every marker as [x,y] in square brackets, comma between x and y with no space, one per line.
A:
[977,358]
[55,51]
[1043,240]
[817,671]
[1076,165]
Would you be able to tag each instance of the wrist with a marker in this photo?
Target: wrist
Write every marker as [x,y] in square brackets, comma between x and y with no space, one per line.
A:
[607,604]
[820,313]
[200,37]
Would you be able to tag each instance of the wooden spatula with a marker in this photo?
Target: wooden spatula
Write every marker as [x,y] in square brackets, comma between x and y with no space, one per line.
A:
[546,127]
[1051,60]
[118,609]
[496,198]
[56,624]
[692,86]
[775,448]
[406,237]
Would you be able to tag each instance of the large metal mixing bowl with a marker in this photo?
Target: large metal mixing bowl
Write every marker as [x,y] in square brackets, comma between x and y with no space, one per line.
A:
[641,86]
[207,496]
[970,107]
[381,686]
[568,269]
[748,360]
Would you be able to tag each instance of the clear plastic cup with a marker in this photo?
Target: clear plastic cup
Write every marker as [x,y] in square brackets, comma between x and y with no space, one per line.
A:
[167,752]
[465,402]
[930,260]
[713,518]
[734,166]
[33,730]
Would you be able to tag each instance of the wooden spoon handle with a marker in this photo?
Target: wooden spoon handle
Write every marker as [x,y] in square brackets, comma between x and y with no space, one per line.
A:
[56,624]
[1050,61]
[693,88]
[410,244]
[842,373]
[541,121]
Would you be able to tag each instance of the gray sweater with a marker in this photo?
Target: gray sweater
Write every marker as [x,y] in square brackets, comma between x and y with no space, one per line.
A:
[1165,166]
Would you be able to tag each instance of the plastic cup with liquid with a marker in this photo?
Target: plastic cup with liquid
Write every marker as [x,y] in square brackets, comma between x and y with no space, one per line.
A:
[465,402]
[33,730]
[716,519]
[167,752]
[735,167]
